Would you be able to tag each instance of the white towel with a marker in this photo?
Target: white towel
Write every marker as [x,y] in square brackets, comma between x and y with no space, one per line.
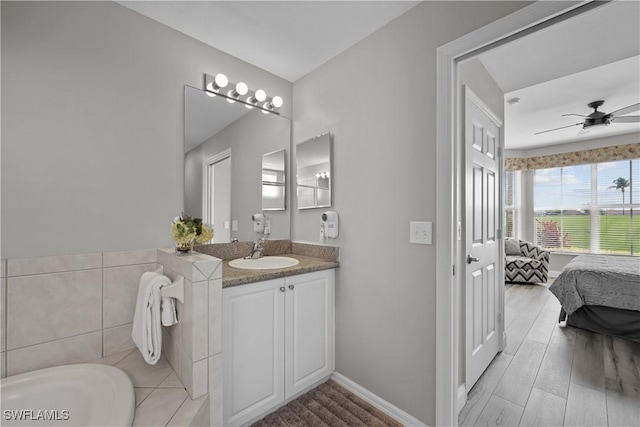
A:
[147,330]
[169,317]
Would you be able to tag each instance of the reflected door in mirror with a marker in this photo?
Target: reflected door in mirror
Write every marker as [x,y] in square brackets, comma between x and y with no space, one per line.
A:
[217,197]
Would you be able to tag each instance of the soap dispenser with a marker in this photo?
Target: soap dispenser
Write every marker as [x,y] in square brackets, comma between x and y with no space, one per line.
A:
[258,222]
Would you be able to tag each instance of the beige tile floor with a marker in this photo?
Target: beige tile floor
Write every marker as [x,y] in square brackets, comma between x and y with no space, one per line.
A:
[161,399]
[553,376]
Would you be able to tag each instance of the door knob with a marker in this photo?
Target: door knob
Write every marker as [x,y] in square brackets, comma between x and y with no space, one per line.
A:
[282,289]
[291,287]
[471,259]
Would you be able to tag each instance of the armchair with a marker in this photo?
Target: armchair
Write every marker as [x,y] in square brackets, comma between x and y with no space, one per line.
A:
[530,266]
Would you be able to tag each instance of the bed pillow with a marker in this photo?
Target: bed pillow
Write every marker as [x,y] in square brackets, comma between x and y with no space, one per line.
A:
[511,247]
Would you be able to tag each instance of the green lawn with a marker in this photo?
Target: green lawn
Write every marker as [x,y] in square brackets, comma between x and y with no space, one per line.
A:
[615,232]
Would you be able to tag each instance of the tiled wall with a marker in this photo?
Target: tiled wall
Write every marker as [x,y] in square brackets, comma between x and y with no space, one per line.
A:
[193,347]
[68,309]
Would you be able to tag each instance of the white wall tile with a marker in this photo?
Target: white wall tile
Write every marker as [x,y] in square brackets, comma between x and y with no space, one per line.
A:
[215,390]
[171,351]
[3,364]
[215,316]
[210,269]
[3,311]
[116,340]
[200,321]
[185,321]
[52,264]
[116,259]
[78,349]
[120,292]
[184,265]
[48,307]
[189,413]
[141,373]
[200,382]
[159,407]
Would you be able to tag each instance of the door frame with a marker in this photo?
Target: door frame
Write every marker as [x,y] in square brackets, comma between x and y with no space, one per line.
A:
[524,21]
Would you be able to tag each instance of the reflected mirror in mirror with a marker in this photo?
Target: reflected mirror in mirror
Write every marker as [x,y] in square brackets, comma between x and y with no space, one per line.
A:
[313,172]
[274,181]
[224,147]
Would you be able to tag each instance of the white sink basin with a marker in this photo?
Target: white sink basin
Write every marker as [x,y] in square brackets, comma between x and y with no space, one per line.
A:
[264,263]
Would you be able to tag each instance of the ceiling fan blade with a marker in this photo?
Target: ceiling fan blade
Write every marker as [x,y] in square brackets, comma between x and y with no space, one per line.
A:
[579,115]
[563,127]
[626,110]
[627,119]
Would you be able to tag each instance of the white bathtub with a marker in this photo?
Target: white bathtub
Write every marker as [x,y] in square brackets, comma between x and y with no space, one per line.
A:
[70,395]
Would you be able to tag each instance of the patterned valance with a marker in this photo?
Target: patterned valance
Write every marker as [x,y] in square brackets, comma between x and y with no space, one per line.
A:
[596,155]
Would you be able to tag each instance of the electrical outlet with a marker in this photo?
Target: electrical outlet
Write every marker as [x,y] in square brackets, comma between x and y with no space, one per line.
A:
[421,232]
[226,225]
[234,225]
[267,227]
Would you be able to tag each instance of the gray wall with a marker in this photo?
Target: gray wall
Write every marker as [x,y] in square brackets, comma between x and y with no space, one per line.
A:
[378,100]
[92,125]
[249,138]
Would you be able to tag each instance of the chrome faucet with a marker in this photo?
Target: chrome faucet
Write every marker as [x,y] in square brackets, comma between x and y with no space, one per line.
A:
[256,251]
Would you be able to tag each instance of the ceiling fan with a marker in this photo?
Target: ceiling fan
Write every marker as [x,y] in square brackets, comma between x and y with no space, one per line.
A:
[599,118]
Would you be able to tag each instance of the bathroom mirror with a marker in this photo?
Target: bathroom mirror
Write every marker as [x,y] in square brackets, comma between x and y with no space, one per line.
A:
[224,147]
[313,172]
[274,180]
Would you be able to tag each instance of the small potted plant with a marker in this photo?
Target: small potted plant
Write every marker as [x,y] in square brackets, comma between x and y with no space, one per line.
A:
[186,229]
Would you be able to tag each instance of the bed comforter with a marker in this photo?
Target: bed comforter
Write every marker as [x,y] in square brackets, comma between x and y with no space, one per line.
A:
[601,280]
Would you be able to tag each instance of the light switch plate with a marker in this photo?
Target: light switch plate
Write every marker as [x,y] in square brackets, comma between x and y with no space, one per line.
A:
[226,225]
[421,232]
[234,225]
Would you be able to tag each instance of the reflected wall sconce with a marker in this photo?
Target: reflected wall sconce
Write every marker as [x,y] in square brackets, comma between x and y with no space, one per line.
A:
[241,92]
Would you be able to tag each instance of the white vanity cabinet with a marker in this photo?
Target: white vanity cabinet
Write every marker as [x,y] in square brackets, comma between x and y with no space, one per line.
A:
[277,341]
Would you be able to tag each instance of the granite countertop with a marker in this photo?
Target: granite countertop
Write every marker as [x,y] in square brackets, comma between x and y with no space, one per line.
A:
[307,264]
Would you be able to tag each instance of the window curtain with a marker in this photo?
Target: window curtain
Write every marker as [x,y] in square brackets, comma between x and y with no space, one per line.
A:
[596,155]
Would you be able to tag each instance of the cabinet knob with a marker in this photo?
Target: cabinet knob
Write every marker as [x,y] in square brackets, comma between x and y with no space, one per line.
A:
[291,287]
[282,289]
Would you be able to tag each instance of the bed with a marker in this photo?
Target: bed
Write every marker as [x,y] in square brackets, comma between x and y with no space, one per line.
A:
[601,293]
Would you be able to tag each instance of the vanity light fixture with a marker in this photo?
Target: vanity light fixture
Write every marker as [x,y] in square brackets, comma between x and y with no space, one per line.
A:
[240,92]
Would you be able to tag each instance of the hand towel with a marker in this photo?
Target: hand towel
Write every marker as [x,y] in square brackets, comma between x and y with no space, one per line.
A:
[147,330]
[169,317]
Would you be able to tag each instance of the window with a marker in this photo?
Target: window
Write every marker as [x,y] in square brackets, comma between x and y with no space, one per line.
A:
[511,184]
[592,208]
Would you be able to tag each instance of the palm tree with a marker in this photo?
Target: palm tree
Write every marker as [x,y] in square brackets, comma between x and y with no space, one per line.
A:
[620,184]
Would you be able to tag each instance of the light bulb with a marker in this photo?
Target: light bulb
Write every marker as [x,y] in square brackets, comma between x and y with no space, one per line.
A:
[221,80]
[242,88]
[210,90]
[260,95]
[277,102]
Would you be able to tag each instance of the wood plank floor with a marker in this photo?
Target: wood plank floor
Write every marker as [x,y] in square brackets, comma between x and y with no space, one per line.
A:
[553,376]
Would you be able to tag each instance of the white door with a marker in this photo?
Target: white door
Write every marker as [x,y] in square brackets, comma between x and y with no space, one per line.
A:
[253,350]
[217,195]
[483,275]
[309,330]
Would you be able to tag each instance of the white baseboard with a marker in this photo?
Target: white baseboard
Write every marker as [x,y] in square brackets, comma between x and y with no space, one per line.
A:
[386,407]
[462,397]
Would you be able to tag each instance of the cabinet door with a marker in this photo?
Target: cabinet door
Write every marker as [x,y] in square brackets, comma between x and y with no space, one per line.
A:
[253,349]
[309,330]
